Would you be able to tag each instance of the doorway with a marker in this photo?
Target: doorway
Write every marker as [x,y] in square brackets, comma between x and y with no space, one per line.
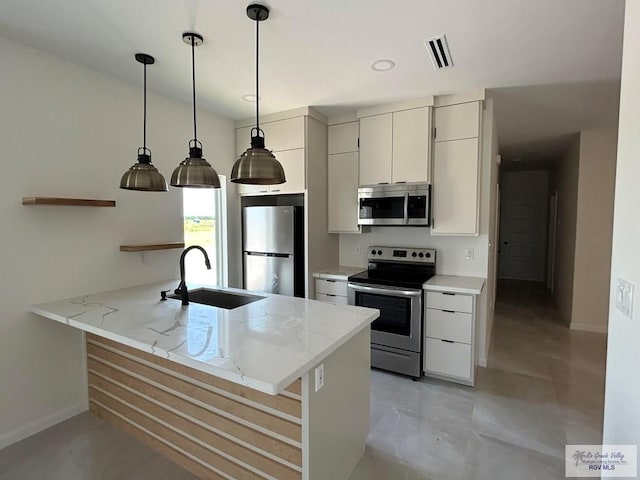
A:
[523,225]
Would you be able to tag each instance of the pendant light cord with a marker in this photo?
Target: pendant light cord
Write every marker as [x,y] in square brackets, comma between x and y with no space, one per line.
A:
[193,75]
[257,77]
[144,116]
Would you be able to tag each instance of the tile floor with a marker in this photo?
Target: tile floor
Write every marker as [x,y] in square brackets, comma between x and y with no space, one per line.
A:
[544,387]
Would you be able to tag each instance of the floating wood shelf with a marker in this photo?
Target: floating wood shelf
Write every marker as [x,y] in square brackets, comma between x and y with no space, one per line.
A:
[148,247]
[74,202]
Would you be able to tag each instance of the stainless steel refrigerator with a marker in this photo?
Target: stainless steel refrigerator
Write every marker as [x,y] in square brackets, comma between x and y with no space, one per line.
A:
[273,249]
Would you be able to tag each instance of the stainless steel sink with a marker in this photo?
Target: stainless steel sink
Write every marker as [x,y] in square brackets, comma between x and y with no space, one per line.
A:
[218,298]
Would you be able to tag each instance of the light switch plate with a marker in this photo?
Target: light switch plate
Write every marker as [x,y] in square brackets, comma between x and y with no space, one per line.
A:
[319,376]
[468,253]
[624,297]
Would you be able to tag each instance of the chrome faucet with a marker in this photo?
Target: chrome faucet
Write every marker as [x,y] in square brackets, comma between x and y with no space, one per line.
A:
[182,286]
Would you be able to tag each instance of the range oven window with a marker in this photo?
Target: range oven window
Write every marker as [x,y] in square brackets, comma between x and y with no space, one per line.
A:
[395,312]
[385,207]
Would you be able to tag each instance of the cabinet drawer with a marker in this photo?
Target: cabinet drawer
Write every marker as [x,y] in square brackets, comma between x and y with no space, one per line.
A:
[450,301]
[447,358]
[449,325]
[336,299]
[331,287]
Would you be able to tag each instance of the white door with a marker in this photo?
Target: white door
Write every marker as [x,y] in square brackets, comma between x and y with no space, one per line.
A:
[411,140]
[376,149]
[523,229]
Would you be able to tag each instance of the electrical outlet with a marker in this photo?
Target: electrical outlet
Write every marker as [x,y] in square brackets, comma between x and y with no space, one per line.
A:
[319,376]
[468,253]
[357,250]
[624,297]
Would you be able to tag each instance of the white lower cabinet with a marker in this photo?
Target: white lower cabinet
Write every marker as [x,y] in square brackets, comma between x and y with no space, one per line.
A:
[449,336]
[331,291]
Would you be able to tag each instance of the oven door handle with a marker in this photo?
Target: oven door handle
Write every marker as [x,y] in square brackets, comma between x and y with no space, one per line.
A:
[392,292]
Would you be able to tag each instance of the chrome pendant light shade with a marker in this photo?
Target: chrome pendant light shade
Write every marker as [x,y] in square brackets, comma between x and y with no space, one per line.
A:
[257,166]
[143,176]
[194,171]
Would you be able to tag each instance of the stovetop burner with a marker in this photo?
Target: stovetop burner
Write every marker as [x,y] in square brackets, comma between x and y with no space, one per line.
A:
[398,267]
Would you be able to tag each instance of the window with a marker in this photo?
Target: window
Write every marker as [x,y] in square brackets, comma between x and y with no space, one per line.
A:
[204,212]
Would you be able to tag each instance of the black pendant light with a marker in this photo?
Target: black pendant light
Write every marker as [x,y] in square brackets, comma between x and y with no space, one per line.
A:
[143,176]
[194,171]
[257,166]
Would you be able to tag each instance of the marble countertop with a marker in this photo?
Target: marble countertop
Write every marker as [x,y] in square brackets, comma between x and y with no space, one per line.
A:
[338,273]
[455,284]
[264,345]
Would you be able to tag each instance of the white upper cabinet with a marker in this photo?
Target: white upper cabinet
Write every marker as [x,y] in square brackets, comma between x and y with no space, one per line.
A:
[343,193]
[455,188]
[411,160]
[343,137]
[395,147]
[343,178]
[284,134]
[376,149]
[292,162]
[455,122]
[286,138]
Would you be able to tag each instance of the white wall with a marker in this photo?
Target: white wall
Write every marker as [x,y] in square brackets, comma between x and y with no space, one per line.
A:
[564,179]
[594,224]
[450,250]
[69,131]
[622,397]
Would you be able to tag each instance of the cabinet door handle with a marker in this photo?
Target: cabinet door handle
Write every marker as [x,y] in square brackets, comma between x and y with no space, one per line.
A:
[275,190]
[332,281]
[447,293]
[329,294]
[449,311]
[447,341]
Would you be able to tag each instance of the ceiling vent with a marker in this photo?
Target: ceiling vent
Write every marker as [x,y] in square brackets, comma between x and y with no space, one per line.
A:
[439,52]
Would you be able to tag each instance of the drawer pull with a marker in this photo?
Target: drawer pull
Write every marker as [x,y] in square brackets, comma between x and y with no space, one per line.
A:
[447,341]
[449,311]
[332,281]
[447,293]
[330,295]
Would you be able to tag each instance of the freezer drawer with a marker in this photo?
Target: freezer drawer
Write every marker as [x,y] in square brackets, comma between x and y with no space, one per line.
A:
[270,274]
[269,229]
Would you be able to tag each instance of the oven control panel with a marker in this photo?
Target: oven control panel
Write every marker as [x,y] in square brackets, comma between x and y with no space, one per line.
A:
[402,254]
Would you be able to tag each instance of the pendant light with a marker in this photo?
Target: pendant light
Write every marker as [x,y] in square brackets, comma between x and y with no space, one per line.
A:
[143,176]
[257,166]
[194,171]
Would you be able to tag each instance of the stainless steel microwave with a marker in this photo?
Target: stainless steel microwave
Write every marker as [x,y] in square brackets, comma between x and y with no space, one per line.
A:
[395,204]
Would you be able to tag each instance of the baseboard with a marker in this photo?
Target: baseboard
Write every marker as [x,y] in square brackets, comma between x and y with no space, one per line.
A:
[587,327]
[36,426]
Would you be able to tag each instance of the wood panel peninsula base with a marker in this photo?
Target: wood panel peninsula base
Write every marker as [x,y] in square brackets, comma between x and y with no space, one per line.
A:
[236,415]
[217,429]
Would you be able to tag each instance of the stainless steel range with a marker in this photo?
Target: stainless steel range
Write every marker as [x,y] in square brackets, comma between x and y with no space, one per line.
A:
[393,284]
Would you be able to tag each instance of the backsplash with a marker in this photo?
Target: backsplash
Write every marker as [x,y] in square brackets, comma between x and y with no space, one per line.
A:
[450,250]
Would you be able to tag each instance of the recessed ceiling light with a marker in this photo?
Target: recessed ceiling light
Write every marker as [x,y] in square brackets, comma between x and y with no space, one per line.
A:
[383,65]
[249,97]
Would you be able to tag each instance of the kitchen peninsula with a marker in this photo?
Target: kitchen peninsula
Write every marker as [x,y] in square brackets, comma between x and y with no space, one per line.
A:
[260,391]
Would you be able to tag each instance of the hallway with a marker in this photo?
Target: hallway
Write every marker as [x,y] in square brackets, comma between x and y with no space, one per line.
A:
[543,388]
